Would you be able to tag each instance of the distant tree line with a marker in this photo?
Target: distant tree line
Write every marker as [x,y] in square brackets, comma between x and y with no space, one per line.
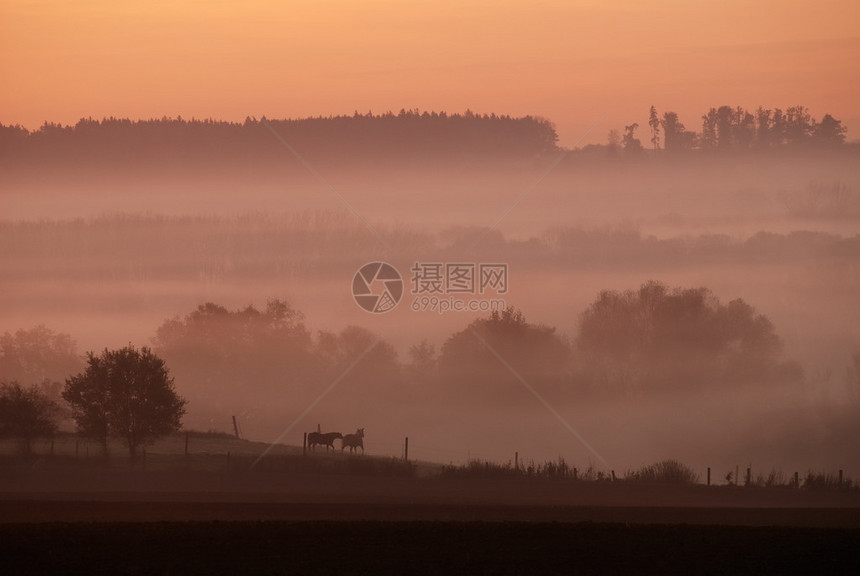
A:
[388,135]
[732,128]
[217,249]
[409,134]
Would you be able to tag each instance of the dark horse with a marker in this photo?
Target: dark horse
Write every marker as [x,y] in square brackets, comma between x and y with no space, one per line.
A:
[326,439]
[354,441]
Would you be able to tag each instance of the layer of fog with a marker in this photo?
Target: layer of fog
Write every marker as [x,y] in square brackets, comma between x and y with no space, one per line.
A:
[156,248]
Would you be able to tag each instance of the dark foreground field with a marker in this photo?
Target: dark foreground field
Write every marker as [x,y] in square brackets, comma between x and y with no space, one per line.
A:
[62,518]
[423,548]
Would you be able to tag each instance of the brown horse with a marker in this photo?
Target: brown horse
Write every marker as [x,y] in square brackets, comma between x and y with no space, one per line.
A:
[354,441]
[326,439]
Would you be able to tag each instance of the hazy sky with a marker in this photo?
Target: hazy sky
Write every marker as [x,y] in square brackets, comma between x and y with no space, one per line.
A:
[566,60]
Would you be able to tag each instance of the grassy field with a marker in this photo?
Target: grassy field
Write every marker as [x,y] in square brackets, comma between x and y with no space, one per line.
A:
[219,468]
[217,510]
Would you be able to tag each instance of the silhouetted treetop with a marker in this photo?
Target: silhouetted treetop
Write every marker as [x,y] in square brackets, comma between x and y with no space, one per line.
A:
[734,128]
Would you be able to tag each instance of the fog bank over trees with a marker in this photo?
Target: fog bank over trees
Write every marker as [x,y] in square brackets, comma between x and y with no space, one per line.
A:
[642,361]
[686,291]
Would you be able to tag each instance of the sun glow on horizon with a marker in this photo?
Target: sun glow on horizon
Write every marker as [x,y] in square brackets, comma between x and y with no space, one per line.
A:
[570,62]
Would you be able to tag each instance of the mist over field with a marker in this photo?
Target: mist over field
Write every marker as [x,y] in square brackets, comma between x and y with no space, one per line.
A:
[697,306]
[429,287]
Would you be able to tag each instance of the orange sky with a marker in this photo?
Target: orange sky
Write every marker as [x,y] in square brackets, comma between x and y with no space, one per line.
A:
[568,61]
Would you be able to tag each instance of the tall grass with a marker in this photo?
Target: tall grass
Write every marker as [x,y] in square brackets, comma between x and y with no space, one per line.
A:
[828,481]
[664,472]
[549,470]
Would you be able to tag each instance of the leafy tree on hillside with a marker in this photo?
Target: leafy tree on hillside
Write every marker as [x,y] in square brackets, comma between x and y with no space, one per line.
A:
[126,393]
[247,361]
[26,414]
[335,352]
[535,351]
[38,354]
[215,350]
[658,338]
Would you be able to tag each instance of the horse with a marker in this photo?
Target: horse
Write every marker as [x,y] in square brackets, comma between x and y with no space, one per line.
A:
[326,439]
[353,441]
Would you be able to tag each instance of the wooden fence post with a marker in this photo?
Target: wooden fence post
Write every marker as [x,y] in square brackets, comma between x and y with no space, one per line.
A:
[796,481]
[516,460]
[305,444]
[406,449]
[840,472]
[709,475]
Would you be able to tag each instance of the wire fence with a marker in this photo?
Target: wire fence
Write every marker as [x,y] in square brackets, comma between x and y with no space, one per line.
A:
[215,452]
